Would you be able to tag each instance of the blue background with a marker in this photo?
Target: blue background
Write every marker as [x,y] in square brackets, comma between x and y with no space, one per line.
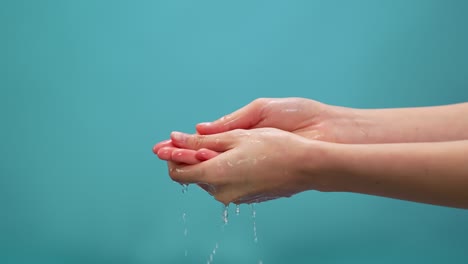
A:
[87,88]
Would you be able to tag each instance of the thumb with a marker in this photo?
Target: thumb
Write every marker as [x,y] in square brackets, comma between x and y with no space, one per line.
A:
[244,118]
[217,142]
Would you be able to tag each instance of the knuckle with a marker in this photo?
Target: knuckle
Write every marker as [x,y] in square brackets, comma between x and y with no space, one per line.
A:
[260,102]
[198,142]
[263,106]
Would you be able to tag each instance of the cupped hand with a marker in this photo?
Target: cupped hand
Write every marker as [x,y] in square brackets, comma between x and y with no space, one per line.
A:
[253,165]
[304,117]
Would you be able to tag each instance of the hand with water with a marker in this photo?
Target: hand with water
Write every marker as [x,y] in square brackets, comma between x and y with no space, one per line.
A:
[256,165]
[304,117]
[253,165]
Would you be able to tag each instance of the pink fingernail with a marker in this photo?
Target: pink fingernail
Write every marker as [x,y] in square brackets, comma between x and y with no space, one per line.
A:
[178,136]
[204,124]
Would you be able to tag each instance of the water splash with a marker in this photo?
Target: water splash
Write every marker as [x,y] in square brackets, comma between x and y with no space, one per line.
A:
[237,209]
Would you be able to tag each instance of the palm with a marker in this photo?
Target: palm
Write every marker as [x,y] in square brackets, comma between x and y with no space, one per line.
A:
[303,117]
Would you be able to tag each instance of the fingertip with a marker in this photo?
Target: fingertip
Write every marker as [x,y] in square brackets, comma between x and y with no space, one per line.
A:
[202,128]
[165,153]
[204,124]
[207,128]
[178,138]
[185,156]
[158,146]
[205,154]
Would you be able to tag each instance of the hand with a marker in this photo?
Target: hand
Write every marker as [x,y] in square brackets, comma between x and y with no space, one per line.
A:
[254,165]
[304,117]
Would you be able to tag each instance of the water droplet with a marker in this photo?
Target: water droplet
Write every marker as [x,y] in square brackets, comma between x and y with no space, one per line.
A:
[211,257]
[184,188]
[225,214]
[254,215]
[184,220]
[237,209]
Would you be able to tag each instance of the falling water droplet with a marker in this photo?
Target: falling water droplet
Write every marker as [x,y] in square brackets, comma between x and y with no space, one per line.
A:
[237,209]
[254,215]
[184,188]
[225,214]
[211,257]
[184,220]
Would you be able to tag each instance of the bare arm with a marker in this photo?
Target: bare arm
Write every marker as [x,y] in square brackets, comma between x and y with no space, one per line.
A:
[435,173]
[419,124]
[315,120]
[261,164]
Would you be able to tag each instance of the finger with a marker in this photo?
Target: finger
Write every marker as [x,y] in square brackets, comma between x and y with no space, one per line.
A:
[165,153]
[186,156]
[186,174]
[206,154]
[244,118]
[162,144]
[217,142]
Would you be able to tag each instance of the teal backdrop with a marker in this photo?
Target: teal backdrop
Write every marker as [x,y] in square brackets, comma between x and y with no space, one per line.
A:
[87,87]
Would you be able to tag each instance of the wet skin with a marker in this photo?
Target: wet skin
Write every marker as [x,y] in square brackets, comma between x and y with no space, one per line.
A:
[384,152]
[166,150]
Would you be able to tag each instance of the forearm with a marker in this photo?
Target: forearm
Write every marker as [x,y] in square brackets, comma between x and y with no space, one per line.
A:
[400,125]
[435,173]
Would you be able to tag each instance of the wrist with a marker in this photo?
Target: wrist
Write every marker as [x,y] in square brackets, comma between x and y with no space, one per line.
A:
[321,167]
[350,125]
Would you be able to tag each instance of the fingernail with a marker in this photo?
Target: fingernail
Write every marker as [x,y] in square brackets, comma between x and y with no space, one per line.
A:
[179,136]
[204,124]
